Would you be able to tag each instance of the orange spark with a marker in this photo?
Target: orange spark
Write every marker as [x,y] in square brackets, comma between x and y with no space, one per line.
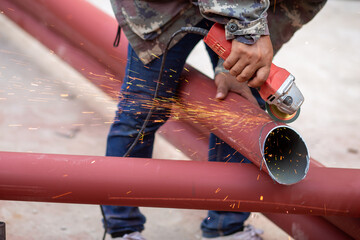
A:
[61,195]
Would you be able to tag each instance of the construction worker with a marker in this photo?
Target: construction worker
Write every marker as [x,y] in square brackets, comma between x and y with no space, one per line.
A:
[257,28]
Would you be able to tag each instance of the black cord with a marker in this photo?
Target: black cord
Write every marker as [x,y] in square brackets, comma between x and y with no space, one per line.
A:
[195,30]
[117,38]
[105,223]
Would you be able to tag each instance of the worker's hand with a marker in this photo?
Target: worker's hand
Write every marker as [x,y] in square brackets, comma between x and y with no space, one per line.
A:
[225,83]
[250,62]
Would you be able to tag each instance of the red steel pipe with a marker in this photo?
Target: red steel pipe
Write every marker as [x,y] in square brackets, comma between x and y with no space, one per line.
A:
[175,184]
[350,226]
[187,138]
[82,24]
[302,227]
[53,34]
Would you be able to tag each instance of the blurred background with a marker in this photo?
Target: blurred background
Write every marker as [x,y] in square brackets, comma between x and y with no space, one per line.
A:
[48,107]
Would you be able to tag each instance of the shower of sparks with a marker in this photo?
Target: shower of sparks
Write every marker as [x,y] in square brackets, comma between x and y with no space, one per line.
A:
[15,125]
[61,195]
[155,55]
[196,111]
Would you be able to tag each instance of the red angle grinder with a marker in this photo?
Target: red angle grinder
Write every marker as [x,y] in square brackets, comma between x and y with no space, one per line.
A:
[283,98]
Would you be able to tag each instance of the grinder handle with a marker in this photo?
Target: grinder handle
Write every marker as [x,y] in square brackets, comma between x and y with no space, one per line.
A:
[216,40]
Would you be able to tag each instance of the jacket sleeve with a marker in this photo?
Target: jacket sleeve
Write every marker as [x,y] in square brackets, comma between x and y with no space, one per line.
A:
[244,20]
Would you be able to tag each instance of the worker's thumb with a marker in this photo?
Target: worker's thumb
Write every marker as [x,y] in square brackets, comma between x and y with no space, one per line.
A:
[222,86]
[222,90]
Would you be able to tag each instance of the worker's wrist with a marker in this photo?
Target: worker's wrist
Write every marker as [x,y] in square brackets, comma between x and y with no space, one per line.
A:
[247,33]
[248,39]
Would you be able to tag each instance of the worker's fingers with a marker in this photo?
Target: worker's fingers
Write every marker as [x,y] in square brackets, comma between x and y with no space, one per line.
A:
[238,68]
[261,76]
[230,61]
[238,50]
[245,61]
[222,86]
[247,73]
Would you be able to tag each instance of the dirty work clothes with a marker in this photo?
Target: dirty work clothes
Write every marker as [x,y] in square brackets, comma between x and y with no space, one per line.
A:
[135,101]
[149,24]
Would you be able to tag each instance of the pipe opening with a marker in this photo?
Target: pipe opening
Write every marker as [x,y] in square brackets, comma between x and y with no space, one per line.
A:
[286,155]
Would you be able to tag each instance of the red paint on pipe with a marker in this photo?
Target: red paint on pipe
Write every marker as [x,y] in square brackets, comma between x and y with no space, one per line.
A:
[175,184]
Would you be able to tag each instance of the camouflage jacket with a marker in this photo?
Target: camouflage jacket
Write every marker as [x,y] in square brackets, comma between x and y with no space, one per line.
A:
[148,24]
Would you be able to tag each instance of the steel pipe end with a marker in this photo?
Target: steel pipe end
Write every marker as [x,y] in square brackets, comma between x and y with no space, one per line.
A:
[285,155]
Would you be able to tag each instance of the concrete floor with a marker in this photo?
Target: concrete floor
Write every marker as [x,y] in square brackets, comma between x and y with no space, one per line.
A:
[45,106]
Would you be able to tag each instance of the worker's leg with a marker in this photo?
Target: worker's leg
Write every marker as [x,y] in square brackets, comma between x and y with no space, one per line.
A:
[136,98]
[285,18]
[221,223]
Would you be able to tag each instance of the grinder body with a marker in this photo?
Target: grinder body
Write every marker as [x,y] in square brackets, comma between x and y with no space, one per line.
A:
[283,98]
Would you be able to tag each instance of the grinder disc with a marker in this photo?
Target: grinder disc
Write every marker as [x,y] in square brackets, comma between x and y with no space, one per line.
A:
[277,115]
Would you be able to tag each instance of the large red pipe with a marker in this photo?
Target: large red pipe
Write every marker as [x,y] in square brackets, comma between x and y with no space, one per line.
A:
[80,53]
[84,63]
[302,227]
[78,22]
[175,184]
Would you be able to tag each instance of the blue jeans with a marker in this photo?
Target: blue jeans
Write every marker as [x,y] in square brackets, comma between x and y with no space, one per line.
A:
[136,95]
